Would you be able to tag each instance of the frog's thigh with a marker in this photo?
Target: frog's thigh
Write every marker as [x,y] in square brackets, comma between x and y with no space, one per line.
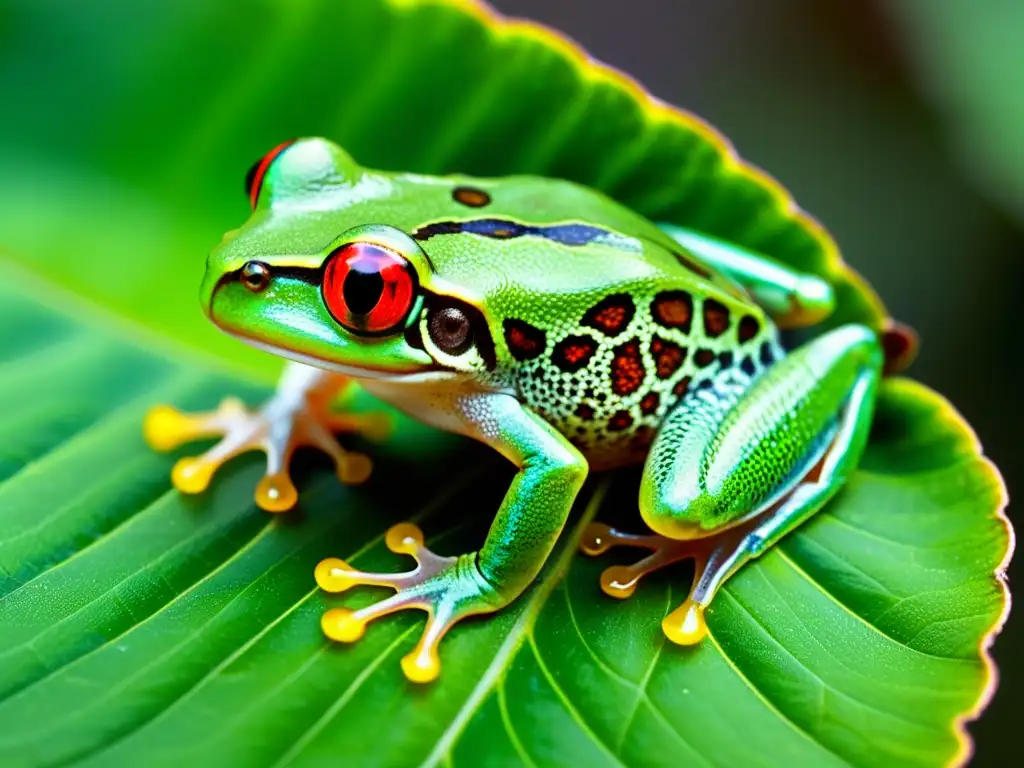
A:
[793,299]
[728,485]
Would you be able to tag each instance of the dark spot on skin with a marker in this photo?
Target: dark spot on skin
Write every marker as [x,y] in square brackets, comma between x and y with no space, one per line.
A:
[573,353]
[725,359]
[471,196]
[588,394]
[767,354]
[673,309]
[524,341]
[620,420]
[502,229]
[749,328]
[682,387]
[585,412]
[611,315]
[601,397]
[668,356]
[649,403]
[705,384]
[716,318]
[748,366]
[704,357]
[627,368]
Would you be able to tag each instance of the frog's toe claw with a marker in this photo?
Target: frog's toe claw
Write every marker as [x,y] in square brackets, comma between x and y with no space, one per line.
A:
[444,587]
[278,430]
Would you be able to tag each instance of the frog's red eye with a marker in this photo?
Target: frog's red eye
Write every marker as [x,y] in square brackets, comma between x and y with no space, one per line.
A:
[368,288]
[254,177]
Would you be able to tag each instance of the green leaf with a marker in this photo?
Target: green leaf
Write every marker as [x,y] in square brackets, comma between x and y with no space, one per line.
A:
[969,60]
[138,626]
[115,189]
[144,627]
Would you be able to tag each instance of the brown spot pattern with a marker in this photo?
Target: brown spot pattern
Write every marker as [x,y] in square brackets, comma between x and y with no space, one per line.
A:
[611,314]
[716,318]
[682,387]
[673,309]
[704,357]
[749,328]
[620,420]
[668,356]
[627,368]
[471,196]
[649,403]
[573,353]
[524,341]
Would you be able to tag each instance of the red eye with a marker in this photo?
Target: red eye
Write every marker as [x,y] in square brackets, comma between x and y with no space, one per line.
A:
[254,178]
[367,288]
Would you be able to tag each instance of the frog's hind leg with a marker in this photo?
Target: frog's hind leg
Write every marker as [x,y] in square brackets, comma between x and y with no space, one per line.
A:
[733,471]
[298,414]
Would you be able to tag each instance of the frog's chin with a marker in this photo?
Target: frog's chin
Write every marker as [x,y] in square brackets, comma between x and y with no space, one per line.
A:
[425,374]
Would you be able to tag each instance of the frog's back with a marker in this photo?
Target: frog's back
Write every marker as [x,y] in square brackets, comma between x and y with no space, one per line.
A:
[601,322]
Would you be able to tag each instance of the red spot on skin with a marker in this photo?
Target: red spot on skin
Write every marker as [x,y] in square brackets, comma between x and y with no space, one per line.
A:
[682,387]
[716,318]
[573,353]
[749,328]
[673,309]
[627,368]
[649,403]
[899,344]
[620,420]
[611,315]
[668,356]
[524,341]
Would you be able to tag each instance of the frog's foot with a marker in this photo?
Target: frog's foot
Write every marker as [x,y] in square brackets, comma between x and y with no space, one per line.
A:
[447,588]
[277,429]
[686,624]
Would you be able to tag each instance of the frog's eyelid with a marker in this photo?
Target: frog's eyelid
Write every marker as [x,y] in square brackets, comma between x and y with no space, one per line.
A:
[254,177]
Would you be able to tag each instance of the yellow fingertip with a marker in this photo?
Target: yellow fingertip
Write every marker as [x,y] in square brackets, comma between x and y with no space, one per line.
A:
[192,475]
[355,469]
[334,575]
[162,427]
[596,539]
[686,624]
[340,625]
[619,581]
[422,665]
[276,493]
[404,538]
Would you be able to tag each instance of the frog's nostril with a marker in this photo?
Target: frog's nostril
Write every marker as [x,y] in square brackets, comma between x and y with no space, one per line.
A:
[255,276]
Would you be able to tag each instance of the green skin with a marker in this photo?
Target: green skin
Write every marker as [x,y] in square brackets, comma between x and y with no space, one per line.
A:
[682,369]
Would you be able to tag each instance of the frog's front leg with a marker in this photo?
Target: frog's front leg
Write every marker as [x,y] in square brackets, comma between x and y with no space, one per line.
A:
[738,466]
[299,414]
[521,537]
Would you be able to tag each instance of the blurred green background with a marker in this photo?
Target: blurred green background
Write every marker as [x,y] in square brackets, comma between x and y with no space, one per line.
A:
[899,125]
[896,123]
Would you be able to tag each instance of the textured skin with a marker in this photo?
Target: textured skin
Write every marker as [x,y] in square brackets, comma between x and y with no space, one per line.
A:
[589,328]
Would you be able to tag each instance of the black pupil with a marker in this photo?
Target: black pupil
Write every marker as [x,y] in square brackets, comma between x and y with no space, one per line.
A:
[362,290]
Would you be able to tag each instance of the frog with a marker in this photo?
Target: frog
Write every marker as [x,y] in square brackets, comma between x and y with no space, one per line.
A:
[560,328]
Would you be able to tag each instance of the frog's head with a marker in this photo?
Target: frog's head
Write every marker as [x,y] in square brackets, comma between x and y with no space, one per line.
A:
[321,273]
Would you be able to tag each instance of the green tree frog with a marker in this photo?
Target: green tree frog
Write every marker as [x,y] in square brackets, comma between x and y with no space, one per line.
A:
[565,331]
